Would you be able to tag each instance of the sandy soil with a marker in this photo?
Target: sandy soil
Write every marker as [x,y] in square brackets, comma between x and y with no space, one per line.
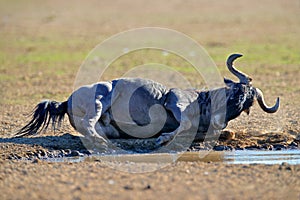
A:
[29,31]
[184,180]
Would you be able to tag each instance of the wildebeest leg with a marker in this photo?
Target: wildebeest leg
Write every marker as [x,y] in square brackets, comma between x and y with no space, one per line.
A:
[105,118]
[105,126]
[184,124]
[92,130]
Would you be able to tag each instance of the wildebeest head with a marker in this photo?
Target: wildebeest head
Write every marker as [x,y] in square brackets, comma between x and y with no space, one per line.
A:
[240,96]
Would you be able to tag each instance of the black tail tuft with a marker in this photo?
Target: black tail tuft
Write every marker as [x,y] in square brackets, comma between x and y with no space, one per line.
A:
[43,113]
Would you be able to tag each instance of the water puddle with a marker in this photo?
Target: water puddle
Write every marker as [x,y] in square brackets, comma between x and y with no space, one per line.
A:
[230,157]
[291,157]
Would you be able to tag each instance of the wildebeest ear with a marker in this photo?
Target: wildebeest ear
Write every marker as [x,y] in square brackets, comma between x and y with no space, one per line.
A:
[228,82]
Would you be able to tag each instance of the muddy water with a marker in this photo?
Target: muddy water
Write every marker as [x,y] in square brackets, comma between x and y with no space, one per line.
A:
[231,157]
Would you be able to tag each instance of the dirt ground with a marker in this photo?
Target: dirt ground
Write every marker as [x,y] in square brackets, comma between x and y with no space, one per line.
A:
[42,46]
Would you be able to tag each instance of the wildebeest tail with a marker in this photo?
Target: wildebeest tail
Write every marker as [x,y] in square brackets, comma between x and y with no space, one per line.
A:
[45,112]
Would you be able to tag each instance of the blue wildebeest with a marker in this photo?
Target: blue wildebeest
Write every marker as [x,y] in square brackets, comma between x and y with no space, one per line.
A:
[148,109]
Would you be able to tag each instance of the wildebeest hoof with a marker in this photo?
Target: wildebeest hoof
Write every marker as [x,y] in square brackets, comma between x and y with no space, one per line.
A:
[164,138]
[95,143]
[100,148]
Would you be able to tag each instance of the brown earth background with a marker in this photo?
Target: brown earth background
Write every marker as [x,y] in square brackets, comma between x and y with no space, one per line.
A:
[42,45]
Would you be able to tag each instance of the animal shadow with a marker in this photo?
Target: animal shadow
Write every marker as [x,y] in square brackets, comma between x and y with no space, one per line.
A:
[60,142]
[75,143]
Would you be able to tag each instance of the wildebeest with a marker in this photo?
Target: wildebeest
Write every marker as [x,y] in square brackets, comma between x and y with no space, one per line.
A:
[143,108]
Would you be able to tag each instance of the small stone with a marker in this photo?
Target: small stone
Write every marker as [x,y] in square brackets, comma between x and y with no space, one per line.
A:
[37,155]
[293,147]
[288,168]
[293,144]
[30,154]
[76,153]
[68,151]
[253,147]
[271,147]
[54,153]
[84,151]
[62,153]
[78,188]
[220,148]
[267,146]
[51,155]
[227,135]
[42,152]
[111,182]
[285,166]
[36,161]
[230,148]
[278,147]
[148,187]
[17,156]
[127,187]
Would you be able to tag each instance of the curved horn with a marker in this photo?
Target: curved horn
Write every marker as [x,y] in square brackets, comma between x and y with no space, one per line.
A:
[244,78]
[262,104]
